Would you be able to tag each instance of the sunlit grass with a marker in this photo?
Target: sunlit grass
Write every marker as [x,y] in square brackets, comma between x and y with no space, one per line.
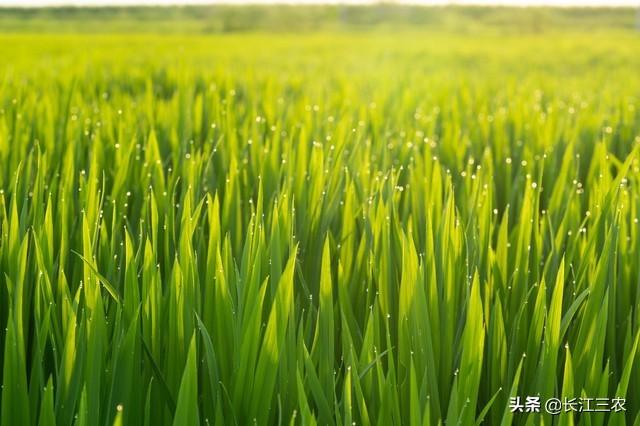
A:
[369,228]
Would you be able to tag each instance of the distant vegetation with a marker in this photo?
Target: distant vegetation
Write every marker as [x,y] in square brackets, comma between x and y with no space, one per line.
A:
[283,18]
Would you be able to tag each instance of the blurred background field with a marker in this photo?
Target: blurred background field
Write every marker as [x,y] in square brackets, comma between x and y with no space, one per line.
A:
[294,18]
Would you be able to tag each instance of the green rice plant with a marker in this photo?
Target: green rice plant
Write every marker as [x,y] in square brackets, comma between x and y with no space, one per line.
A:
[331,227]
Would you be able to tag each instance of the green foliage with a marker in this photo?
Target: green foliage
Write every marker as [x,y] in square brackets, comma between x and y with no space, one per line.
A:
[226,18]
[368,227]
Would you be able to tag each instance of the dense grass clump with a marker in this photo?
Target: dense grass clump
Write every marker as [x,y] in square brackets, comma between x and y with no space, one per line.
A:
[367,227]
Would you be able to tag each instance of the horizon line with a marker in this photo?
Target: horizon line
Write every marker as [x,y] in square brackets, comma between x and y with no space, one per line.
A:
[4,4]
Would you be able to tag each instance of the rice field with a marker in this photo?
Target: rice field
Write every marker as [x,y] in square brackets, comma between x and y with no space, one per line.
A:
[369,225]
